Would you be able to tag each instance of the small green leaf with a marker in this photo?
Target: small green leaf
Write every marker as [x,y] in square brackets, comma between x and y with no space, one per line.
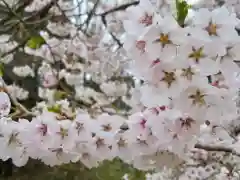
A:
[58,95]
[182,11]
[1,69]
[55,109]
[35,42]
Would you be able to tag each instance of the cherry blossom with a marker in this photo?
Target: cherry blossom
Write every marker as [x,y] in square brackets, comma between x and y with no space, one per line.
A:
[183,107]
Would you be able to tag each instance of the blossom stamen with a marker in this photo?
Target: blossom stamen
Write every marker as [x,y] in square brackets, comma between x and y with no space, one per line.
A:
[100,142]
[13,139]
[198,98]
[43,129]
[63,132]
[79,127]
[196,54]
[121,143]
[169,78]
[186,122]
[107,128]
[188,73]
[164,39]
[212,29]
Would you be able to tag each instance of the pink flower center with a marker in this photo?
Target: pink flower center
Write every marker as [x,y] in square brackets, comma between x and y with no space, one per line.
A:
[49,80]
[141,45]
[143,123]
[155,111]
[43,129]
[155,62]
[146,19]
[162,108]
[215,83]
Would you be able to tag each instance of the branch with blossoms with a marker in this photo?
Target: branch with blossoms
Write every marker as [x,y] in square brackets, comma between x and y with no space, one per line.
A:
[139,91]
[51,51]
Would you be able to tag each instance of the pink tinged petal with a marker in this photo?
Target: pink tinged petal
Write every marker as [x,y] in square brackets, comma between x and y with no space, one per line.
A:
[178,36]
[129,42]
[220,15]
[156,110]
[200,34]
[228,66]
[229,69]
[132,27]
[197,43]
[153,50]
[152,33]
[157,19]
[234,52]
[237,83]
[168,53]
[146,4]
[233,20]
[228,34]
[202,18]
[49,80]
[182,63]
[20,161]
[5,104]
[183,51]
[208,67]
[158,100]
[169,23]
[215,48]
[135,12]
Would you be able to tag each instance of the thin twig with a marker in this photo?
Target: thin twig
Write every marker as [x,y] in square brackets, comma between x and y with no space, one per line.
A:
[104,21]
[90,15]
[115,9]
[14,100]
[119,8]
[217,148]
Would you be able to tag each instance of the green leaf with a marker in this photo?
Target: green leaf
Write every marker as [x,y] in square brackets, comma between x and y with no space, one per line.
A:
[1,69]
[58,95]
[55,108]
[36,42]
[182,11]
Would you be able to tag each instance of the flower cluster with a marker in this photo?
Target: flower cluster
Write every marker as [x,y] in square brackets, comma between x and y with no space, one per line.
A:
[186,61]
[189,69]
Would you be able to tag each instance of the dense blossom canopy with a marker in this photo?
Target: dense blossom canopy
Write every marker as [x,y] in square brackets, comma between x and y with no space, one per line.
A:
[152,82]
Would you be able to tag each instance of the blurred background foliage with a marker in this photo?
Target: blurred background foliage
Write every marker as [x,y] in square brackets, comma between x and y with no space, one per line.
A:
[35,170]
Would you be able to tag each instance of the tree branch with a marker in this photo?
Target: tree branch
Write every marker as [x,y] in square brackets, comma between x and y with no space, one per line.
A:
[43,12]
[104,21]
[18,105]
[119,8]
[115,9]
[217,148]
[90,15]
